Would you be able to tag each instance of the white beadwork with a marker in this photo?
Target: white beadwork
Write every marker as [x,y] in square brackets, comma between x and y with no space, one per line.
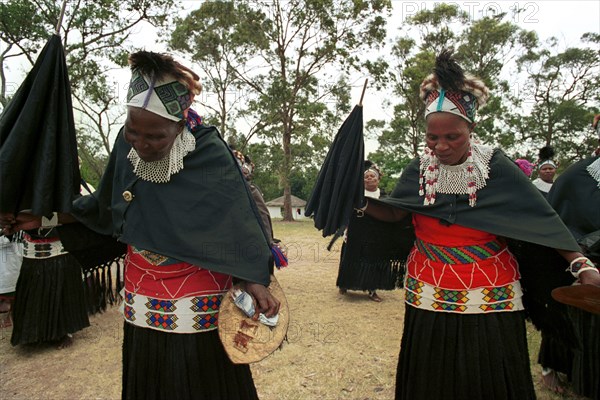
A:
[160,171]
[465,178]
[594,170]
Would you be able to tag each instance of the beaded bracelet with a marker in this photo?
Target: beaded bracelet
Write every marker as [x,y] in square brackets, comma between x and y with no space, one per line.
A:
[581,264]
[50,223]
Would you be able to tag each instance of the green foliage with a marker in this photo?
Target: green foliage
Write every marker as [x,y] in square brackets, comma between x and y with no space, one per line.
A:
[554,106]
[391,166]
[95,33]
[282,55]
[221,37]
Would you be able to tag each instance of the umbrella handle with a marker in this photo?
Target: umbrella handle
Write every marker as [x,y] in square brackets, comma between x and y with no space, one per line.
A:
[363,92]
[60,17]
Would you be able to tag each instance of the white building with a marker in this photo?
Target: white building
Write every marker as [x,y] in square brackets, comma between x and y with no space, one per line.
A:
[275,207]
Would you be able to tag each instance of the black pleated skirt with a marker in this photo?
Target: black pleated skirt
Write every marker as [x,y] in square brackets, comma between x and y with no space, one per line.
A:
[586,358]
[555,354]
[371,258]
[453,356]
[49,300]
[160,365]
[357,274]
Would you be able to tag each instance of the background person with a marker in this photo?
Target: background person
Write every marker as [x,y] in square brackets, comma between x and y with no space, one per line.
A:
[364,264]
[576,198]
[546,170]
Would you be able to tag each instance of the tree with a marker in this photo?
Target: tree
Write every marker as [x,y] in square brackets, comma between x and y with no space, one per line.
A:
[310,42]
[95,33]
[222,36]
[556,101]
[482,46]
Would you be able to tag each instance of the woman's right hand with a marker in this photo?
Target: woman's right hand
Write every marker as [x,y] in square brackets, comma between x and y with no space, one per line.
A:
[23,221]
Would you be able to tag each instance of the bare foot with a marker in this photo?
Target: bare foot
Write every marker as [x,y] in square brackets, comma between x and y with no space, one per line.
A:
[65,342]
[5,320]
[4,306]
[343,291]
[553,382]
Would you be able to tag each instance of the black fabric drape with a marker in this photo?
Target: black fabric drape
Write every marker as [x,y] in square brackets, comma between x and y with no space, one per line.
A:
[38,151]
[204,215]
[340,184]
[508,206]
[576,198]
[373,256]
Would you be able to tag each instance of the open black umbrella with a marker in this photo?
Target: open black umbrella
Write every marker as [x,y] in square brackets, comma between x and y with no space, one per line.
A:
[38,152]
[340,184]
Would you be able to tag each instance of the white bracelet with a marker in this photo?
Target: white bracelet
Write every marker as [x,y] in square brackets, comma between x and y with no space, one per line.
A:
[50,223]
[580,264]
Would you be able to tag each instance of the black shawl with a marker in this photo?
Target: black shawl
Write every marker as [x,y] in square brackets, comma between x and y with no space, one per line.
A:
[204,215]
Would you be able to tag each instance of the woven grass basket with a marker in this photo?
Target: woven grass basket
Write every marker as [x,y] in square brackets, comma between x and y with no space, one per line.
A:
[247,341]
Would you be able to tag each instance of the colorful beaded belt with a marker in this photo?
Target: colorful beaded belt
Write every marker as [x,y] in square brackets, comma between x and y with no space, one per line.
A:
[43,248]
[458,255]
[474,301]
[186,315]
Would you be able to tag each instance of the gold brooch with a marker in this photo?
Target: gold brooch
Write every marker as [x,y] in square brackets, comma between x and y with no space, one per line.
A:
[128,196]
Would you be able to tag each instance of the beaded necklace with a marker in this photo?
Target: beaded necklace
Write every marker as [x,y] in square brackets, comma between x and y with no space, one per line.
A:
[465,178]
[160,171]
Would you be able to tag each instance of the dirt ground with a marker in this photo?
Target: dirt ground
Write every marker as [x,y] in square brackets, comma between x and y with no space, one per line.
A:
[339,346]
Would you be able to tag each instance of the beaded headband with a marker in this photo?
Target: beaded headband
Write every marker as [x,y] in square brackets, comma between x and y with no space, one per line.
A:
[168,97]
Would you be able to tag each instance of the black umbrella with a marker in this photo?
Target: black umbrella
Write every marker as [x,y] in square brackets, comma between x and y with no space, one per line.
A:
[38,152]
[340,184]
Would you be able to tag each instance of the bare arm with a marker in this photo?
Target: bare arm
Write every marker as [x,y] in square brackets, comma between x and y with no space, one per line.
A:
[384,212]
[591,277]
[25,221]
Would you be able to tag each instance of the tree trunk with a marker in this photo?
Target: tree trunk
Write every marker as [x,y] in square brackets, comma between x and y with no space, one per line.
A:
[285,181]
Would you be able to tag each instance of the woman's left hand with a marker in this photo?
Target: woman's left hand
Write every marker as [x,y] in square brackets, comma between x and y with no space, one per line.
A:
[264,301]
[589,277]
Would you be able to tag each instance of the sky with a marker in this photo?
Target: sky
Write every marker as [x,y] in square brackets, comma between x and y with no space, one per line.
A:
[566,20]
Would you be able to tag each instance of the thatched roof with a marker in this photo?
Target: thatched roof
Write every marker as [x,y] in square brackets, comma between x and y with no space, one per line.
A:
[278,202]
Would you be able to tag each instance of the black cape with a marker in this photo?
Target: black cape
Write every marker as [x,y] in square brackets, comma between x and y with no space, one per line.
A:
[508,206]
[204,215]
[340,184]
[38,151]
[576,198]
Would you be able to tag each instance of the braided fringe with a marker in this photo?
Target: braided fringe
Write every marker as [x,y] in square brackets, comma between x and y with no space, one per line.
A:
[98,286]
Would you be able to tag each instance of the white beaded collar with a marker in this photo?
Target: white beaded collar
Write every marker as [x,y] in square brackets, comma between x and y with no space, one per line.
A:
[594,170]
[161,171]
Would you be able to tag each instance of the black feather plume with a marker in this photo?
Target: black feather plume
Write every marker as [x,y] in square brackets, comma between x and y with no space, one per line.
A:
[156,65]
[450,75]
[546,153]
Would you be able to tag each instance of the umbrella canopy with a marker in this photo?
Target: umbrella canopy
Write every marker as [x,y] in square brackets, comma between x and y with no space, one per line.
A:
[340,184]
[38,152]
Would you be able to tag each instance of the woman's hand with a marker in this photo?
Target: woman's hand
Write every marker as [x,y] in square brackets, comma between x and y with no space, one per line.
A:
[23,221]
[7,220]
[264,302]
[590,277]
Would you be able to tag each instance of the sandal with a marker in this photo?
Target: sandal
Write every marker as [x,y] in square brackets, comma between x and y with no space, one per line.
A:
[373,296]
